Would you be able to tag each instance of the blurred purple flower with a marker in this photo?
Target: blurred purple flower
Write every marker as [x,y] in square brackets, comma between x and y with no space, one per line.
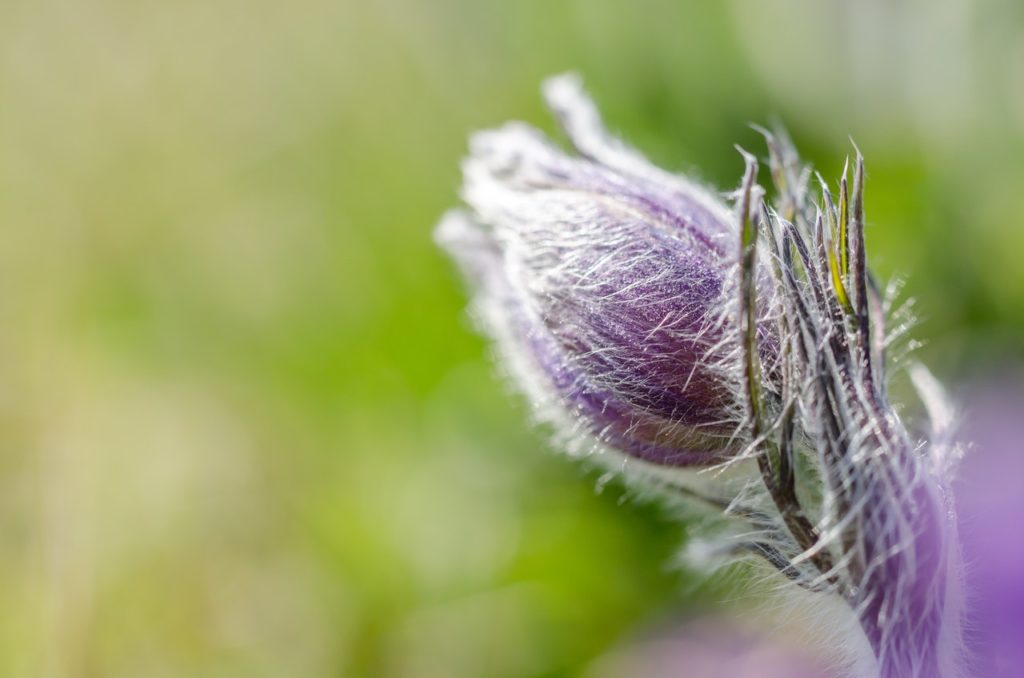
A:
[711,648]
[990,502]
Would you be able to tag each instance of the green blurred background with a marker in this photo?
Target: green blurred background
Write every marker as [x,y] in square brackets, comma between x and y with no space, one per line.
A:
[245,427]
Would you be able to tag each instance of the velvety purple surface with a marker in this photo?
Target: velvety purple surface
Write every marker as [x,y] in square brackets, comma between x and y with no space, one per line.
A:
[990,496]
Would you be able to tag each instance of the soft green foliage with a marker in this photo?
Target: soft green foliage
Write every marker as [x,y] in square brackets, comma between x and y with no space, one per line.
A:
[246,427]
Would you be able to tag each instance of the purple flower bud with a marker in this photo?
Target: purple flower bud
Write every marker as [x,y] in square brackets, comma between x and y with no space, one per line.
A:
[635,309]
[603,280]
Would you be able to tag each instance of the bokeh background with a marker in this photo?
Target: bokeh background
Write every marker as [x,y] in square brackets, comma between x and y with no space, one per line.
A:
[245,427]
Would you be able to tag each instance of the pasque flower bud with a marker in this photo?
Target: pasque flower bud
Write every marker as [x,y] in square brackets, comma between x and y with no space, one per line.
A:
[603,280]
[642,316]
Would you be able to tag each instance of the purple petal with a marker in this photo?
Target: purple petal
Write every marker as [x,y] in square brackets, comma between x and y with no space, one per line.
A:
[561,391]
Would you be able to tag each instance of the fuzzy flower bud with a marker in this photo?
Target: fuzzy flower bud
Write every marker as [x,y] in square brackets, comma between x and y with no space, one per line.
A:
[603,280]
[641,316]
